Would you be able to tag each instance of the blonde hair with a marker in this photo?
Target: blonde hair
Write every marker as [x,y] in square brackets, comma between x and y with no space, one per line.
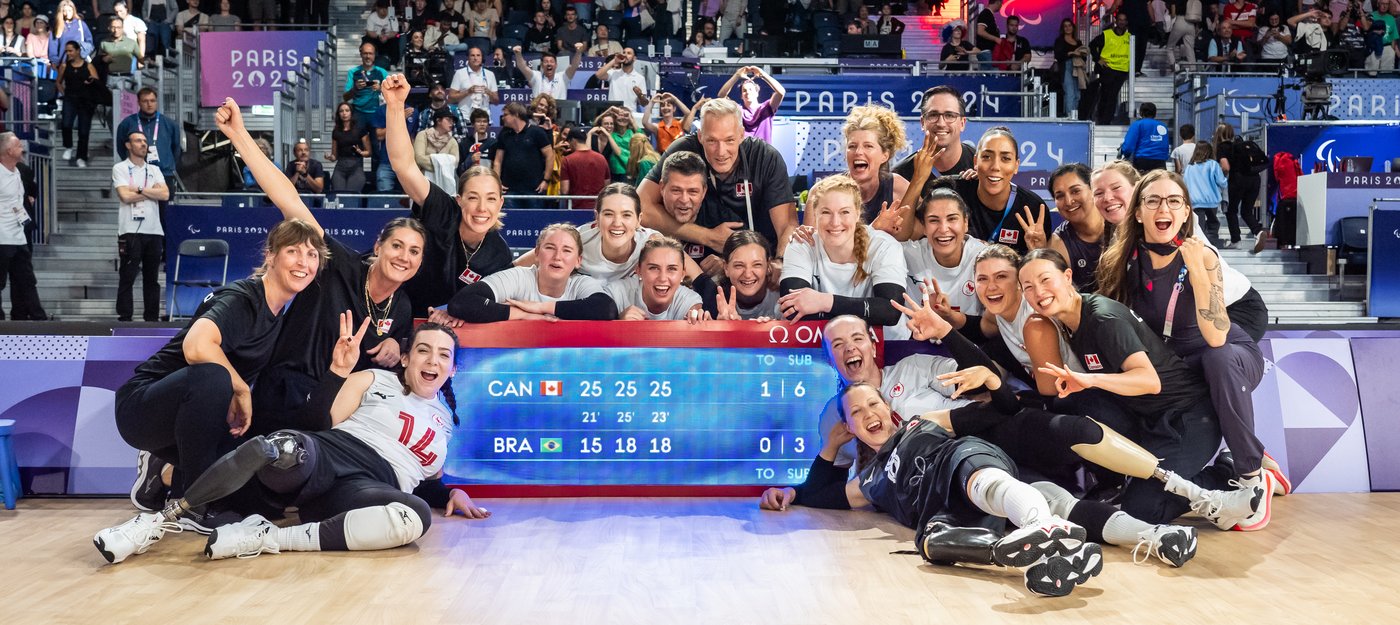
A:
[841,183]
[1112,274]
[883,122]
[640,149]
[1122,167]
[287,234]
[482,170]
[560,227]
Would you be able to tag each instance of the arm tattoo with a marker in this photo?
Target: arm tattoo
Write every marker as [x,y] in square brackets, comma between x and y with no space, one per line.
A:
[1216,314]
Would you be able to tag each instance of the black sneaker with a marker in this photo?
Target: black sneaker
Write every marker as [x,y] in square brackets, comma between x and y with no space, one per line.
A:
[205,521]
[1057,575]
[148,493]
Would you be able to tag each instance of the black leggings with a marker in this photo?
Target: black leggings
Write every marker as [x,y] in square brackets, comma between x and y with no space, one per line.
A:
[181,418]
[1040,442]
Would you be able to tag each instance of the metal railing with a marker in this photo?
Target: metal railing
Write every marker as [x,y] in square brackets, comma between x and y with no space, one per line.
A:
[305,105]
[355,201]
[21,77]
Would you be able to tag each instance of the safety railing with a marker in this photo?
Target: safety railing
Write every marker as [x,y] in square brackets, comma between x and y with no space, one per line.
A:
[304,106]
[361,201]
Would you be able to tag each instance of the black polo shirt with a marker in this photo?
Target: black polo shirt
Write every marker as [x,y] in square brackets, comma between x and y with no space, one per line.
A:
[759,181]
[445,267]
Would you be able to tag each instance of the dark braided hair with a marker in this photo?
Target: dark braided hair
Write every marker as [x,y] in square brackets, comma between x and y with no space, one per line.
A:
[449,396]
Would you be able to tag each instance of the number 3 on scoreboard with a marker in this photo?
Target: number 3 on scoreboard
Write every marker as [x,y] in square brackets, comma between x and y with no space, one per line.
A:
[406,434]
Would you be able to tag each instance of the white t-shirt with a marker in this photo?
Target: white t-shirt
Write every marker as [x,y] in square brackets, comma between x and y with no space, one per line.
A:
[597,265]
[142,217]
[133,26]
[466,78]
[557,86]
[956,282]
[620,84]
[911,386]
[627,291]
[520,283]
[1181,156]
[1013,333]
[386,413]
[884,262]
[381,25]
[12,213]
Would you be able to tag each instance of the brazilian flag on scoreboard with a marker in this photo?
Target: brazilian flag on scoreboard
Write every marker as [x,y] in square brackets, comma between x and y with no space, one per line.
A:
[551,445]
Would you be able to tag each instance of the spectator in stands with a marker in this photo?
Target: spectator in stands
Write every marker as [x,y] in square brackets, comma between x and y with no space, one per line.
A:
[1205,183]
[25,20]
[382,31]
[602,144]
[1140,25]
[349,147]
[944,119]
[547,79]
[584,171]
[140,236]
[620,142]
[120,53]
[79,87]
[263,12]
[225,21]
[1274,40]
[479,139]
[1242,169]
[482,20]
[191,19]
[553,15]
[707,26]
[384,179]
[36,43]
[70,26]
[540,36]
[18,190]
[421,15]
[1021,49]
[986,35]
[1311,31]
[749,184]
[888,24]
[362,84]
[602,46]
[1350,34]
[163,140]
[12,43]
[668,128]
[250,182]
[474,84]
[437,102]
[306,173]
[449,21]
[733,15]
[524,155]
[1186,22]
[626,83]
[1242,17]
[571,33]
[758,115]
[862,22]
[641,157]
[1224,48]
[1110,50]
[1072,65]
[1382,51]
[134,28]
[436,151]
[697,46]
[1147,143]
[957,52]
[1181,156]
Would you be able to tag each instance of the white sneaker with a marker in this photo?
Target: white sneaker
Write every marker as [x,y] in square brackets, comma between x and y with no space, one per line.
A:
[67,154]
[1173,544]
[1263,511]
[1052,537]
[245,539]
[82,163]
[132,537]
[1226,509]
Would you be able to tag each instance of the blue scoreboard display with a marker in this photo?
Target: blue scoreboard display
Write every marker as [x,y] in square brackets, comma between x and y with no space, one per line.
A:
[638,403]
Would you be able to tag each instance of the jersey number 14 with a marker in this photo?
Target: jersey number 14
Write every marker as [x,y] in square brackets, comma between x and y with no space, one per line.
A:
[406,434]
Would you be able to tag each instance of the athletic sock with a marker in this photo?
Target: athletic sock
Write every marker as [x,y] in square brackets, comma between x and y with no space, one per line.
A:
[304,537]
[1123,529]
[997,493]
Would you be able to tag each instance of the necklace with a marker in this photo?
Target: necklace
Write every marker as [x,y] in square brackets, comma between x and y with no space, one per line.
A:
[377,315]
[469,252]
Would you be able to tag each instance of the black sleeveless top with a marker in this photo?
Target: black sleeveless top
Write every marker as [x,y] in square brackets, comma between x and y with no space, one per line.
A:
[1083,257]
[884,195]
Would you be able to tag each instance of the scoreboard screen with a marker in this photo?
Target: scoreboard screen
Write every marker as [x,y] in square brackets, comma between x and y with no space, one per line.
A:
[638,403]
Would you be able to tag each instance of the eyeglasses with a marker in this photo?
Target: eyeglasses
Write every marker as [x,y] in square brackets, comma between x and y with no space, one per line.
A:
[1154,202]
[948,117]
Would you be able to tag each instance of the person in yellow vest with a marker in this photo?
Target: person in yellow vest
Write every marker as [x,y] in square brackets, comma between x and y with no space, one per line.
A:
[1110,50]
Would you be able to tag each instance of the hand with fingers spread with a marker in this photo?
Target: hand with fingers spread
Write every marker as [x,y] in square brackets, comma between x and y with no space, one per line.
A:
[1068,382]
[924,324]
[970,379]
[459,503]
[1033,228]
[346,353]
[891,219]
[777,499]
[924,158]
[803,234]
[803,302]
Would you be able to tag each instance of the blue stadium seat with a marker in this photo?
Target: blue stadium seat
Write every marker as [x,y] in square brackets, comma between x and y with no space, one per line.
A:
[201,265]
[611,19]
[516,32]
[482,43]
[639,44]
[516,16]
[825,19]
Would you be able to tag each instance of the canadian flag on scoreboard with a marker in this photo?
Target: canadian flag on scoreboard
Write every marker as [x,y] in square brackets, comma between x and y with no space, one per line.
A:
[551,388]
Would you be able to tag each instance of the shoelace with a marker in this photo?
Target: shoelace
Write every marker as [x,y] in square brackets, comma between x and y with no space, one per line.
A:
[145,536]
[1154,545]
[252,546]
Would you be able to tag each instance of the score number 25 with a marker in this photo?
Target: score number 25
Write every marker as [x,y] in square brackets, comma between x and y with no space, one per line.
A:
[624,388]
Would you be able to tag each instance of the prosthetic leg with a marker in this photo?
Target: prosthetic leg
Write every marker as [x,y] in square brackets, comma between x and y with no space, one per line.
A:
[283,449]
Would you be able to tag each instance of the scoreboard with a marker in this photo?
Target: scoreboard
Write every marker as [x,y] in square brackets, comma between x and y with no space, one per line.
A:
[638,403]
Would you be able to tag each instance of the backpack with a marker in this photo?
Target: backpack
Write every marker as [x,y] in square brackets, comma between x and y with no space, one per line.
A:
[1286,172]
[1255,160]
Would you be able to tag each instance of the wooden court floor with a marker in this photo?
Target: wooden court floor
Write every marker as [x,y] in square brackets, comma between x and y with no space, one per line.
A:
[1324,559]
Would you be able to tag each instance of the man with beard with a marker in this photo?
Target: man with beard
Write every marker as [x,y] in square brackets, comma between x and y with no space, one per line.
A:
[625,83]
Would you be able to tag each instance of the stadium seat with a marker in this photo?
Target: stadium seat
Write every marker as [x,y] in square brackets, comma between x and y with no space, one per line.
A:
[613,20]
[515,31]
[677,45]
[516,16]
[481,43]
[1355,242]
[207,258]
[825,20]
[638,44]
[9,465]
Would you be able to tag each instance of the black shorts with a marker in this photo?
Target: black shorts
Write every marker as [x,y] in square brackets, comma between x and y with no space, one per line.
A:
[949,470]
[338,456]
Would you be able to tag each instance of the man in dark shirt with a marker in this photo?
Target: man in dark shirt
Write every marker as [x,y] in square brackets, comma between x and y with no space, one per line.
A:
[749,187]
[571,32]
[1023,45]
[541,34]
[524,156]
[985,34]
[944,119]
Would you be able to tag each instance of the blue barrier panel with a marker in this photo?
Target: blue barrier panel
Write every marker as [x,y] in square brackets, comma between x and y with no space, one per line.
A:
[1383,266]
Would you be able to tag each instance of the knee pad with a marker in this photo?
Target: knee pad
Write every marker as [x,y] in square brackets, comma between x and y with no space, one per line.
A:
[383,527]
[1076,429]
[290,451]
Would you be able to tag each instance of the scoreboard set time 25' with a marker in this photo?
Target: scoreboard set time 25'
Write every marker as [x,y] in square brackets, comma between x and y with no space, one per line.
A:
[668,406]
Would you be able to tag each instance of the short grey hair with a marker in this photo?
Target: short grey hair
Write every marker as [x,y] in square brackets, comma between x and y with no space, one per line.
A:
[720,107]
[5,140]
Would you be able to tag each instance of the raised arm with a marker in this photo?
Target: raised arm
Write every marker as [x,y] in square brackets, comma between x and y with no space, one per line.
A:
[733,80]
[647,124]
[778,90]
[397,142]
[271,180]
[575,60]
[521,65]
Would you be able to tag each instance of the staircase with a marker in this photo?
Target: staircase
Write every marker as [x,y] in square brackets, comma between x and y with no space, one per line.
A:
[923,34]
[1293,295]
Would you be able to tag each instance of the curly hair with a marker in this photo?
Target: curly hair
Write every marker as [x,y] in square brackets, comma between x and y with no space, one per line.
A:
[841,183]
[883,122]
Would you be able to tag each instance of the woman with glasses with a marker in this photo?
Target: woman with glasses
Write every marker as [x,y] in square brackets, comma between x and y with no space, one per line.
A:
[1174,282]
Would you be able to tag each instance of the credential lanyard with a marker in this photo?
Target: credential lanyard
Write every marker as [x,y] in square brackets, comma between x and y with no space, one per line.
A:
[1010,201]
[1167,319]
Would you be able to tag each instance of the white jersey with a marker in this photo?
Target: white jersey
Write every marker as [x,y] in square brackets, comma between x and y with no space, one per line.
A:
[884,262]
[557,86]
[521,283]
[597,265]
[627,291]
[409,432]
[958,283]
[1013,333]
[911,386]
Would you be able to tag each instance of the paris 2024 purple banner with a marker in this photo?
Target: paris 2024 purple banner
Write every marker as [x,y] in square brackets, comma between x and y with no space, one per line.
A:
[250,66]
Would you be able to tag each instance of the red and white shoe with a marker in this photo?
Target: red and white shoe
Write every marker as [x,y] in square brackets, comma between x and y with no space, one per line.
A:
[1281,484]
[1264,512]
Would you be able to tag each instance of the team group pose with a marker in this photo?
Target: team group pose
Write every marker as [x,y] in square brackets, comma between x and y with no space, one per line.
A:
[1104,360]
